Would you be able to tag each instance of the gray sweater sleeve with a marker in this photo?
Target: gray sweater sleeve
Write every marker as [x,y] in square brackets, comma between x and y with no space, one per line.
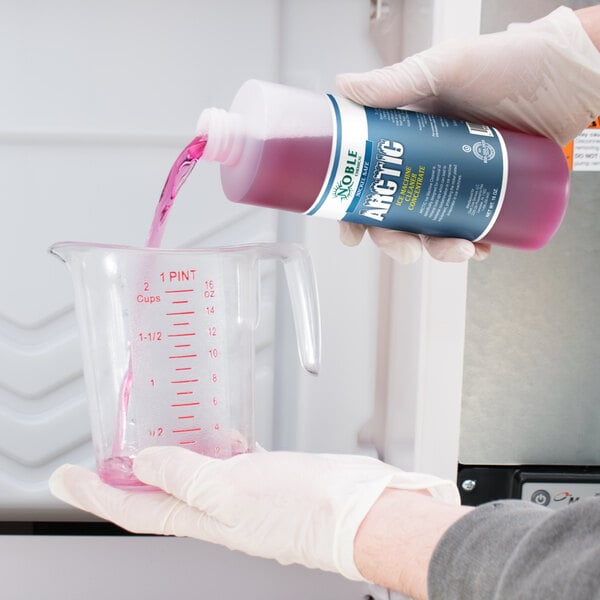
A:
[514,549]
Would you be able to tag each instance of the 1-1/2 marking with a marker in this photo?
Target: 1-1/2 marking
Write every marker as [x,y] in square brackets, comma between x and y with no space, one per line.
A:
[150,336]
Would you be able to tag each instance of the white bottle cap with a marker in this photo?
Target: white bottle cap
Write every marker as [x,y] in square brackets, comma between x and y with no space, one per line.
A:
[224,133]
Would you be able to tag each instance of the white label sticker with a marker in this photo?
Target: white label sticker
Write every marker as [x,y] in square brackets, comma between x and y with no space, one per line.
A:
[586,151]
[345,164]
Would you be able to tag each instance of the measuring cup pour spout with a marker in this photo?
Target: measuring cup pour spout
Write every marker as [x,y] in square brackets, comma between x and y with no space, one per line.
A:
[60,250]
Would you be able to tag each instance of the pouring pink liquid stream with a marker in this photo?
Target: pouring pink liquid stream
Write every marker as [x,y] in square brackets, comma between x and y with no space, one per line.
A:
[117,469]
[179,172]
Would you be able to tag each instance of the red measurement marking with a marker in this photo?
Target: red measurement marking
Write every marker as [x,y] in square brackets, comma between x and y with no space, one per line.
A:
[181,334]
[185,381]
[184,393]
[178,291]
[186,417]
[180,324]
[180,404]
[185,442]
[180,301]
[174,314]
[185,356]
[181,345]
[183,369]
[188,430]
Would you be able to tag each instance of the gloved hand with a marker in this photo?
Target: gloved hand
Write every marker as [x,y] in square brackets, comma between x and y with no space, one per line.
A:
[292,507]
[542,77]
[405,247]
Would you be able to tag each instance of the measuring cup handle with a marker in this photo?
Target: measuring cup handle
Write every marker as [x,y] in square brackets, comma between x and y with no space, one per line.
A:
[304,299]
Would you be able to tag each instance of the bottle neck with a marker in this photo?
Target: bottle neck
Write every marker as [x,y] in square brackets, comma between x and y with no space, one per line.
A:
[224,135]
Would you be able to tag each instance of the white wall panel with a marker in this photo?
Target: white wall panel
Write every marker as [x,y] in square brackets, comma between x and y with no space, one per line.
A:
[321,38]
[99,98]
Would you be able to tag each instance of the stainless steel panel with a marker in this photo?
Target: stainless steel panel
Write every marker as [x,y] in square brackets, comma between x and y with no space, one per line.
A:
[532,355]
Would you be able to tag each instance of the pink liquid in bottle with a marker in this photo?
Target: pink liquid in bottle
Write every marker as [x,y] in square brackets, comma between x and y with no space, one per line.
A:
[535,200]
[117,470]
[303,161]
[536,192]
[391,169]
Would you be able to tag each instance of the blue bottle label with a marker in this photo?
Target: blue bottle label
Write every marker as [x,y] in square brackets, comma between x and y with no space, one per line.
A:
[414,172]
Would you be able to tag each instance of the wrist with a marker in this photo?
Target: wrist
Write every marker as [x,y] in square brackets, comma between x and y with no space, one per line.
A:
[590,20]
[395,542]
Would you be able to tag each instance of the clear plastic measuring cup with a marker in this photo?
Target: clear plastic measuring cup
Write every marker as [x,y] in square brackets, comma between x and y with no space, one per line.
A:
[168,344]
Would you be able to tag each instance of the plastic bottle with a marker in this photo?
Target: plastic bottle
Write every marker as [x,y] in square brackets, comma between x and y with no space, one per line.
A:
[297,150]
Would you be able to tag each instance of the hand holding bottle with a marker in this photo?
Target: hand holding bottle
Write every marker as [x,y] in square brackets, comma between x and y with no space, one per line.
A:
[541,78]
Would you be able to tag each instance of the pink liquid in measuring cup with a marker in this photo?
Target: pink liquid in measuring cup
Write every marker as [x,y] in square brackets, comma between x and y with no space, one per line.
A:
[117,470]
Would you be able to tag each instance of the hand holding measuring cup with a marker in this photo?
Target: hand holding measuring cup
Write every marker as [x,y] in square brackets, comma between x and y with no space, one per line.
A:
[288,506]
[168,344]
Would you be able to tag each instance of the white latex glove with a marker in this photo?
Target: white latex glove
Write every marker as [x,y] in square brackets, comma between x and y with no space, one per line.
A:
[542,77]
[406,247]
[291,507]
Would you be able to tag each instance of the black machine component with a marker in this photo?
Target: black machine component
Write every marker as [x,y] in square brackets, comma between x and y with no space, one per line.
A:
[544,485]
